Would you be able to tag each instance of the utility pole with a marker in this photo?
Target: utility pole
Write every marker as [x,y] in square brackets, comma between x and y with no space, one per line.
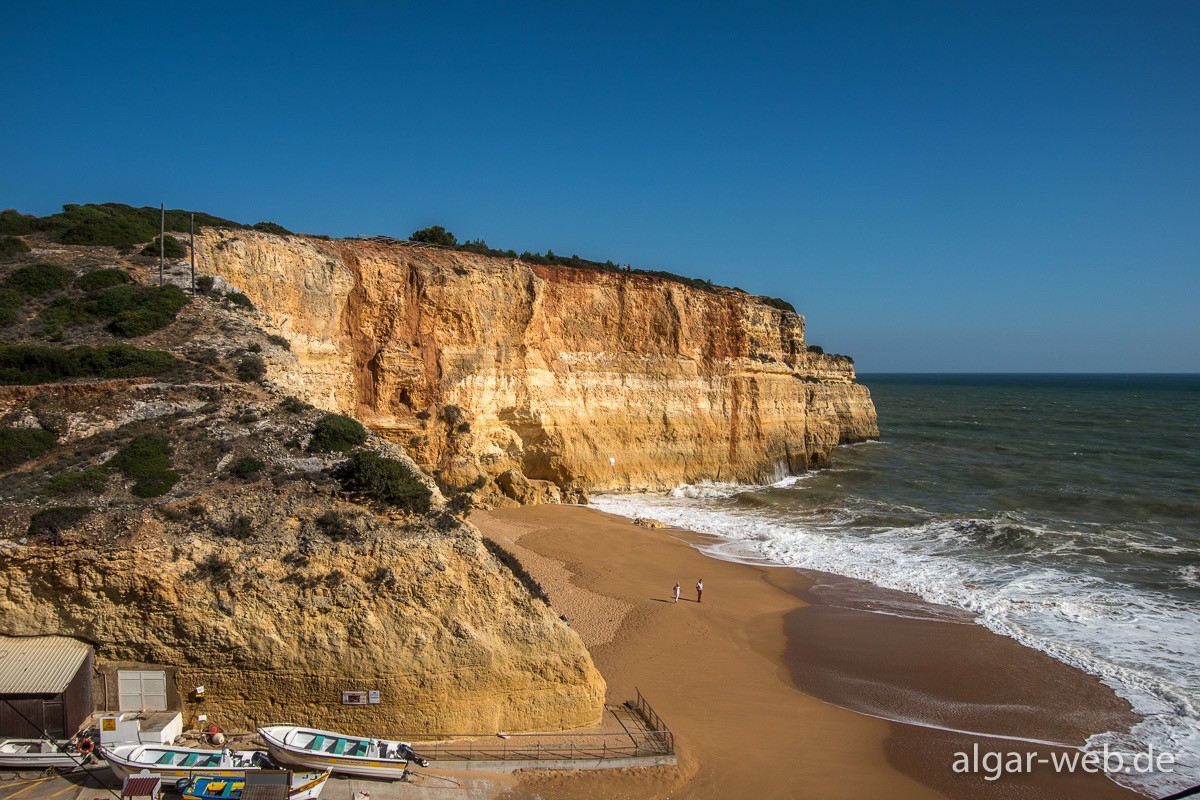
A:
[162,242]
[193,232]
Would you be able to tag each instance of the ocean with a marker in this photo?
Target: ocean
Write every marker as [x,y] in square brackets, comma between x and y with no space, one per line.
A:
[1062,510]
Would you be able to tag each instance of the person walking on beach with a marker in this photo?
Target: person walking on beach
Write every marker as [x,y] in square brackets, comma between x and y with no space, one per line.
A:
[677,591]
[699,589]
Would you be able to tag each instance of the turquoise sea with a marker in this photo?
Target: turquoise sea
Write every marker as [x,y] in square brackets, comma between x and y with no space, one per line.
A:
[1064,510]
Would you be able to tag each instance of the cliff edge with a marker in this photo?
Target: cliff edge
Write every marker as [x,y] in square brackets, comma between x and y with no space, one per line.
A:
[492,371]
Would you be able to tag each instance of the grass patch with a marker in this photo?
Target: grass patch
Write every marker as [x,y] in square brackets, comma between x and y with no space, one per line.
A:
[18,445]
[11,246]
[100,279]
[147,461]
[336,433]
[37,279]
[91,481]
[385,480]
[27,364]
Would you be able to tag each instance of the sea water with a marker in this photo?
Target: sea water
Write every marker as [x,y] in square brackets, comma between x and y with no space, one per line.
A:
[1063,510]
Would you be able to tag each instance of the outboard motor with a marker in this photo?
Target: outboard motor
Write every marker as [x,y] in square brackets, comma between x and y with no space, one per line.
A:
[263,761]
[404,750]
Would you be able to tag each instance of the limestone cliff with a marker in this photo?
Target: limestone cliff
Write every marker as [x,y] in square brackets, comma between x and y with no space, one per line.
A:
[276,626]
[589,379]
[251,567]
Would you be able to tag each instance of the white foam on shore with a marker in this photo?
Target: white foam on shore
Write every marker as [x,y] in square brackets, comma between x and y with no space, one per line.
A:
[1143,644]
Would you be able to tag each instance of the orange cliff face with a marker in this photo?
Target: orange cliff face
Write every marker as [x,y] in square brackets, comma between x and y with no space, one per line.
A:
[589,379]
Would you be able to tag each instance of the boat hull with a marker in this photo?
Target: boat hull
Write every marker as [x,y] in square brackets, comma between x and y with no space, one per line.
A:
[123,766]
[363,766]
[303,786]
[14,754]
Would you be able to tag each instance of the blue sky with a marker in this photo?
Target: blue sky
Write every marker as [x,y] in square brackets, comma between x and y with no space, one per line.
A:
[937,186]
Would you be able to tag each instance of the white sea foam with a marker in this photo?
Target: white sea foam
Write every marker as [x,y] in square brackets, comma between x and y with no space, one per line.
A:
[1143,644]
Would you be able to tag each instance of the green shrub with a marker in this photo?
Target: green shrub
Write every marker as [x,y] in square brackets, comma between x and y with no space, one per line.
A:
[279,341]
[18,445]
[99,279]
[171,248]
[205,283]
[10,301]
[271,227]
[254,347]
[55,520]
[138,310]
[147,461]
[64,311]
[91,480]
[113,224]
[780,303]
[816,349]
[13,222]
[385,480]
[247,467]
[294,405]
[336,433]
[435,235]
[214,569]
[29,364]
[239,299]
[251,368]
[334,524]
[12,246]
[38,278]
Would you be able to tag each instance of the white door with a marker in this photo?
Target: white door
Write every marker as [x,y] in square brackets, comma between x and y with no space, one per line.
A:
[142,690]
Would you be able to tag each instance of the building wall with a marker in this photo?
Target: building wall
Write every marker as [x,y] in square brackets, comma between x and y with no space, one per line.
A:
[60,715]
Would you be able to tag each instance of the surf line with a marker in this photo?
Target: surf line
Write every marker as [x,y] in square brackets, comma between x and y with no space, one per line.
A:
[935,727]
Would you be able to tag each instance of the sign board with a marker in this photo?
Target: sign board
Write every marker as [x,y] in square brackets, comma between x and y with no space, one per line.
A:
[373,697]
[108,724]
[354,698]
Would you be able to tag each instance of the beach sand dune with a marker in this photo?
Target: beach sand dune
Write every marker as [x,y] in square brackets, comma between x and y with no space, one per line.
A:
[759,682]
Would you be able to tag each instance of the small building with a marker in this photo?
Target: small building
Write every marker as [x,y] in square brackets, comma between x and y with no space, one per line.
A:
[45,685]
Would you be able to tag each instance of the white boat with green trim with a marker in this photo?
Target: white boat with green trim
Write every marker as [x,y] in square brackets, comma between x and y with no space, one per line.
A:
[350,755]
[181,762]
[37,754]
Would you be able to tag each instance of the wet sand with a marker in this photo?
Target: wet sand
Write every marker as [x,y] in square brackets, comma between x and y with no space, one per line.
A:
[788,684]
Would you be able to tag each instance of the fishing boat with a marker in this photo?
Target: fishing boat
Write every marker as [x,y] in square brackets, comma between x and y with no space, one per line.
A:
[37,754]
[181,762]
[301,785]
[349,755]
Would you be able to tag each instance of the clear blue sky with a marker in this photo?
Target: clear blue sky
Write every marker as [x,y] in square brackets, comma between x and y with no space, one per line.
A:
[937,186]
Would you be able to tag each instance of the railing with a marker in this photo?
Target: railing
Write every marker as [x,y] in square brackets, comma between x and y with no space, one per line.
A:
[634,741]
[552,747]
[657,726]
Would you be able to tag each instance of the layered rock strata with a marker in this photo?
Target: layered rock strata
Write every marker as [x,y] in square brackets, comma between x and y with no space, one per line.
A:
[589,379]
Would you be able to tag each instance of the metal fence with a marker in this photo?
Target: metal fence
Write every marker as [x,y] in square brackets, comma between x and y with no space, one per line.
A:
[648,738]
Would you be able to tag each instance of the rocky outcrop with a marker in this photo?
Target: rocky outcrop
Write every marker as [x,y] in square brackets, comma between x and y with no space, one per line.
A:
[585,378]
[275,626]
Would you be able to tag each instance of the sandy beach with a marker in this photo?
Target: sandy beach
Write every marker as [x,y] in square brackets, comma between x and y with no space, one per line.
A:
[787,684]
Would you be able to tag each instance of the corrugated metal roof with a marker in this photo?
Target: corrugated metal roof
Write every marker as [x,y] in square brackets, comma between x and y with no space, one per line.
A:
[39,664]
[142,786]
